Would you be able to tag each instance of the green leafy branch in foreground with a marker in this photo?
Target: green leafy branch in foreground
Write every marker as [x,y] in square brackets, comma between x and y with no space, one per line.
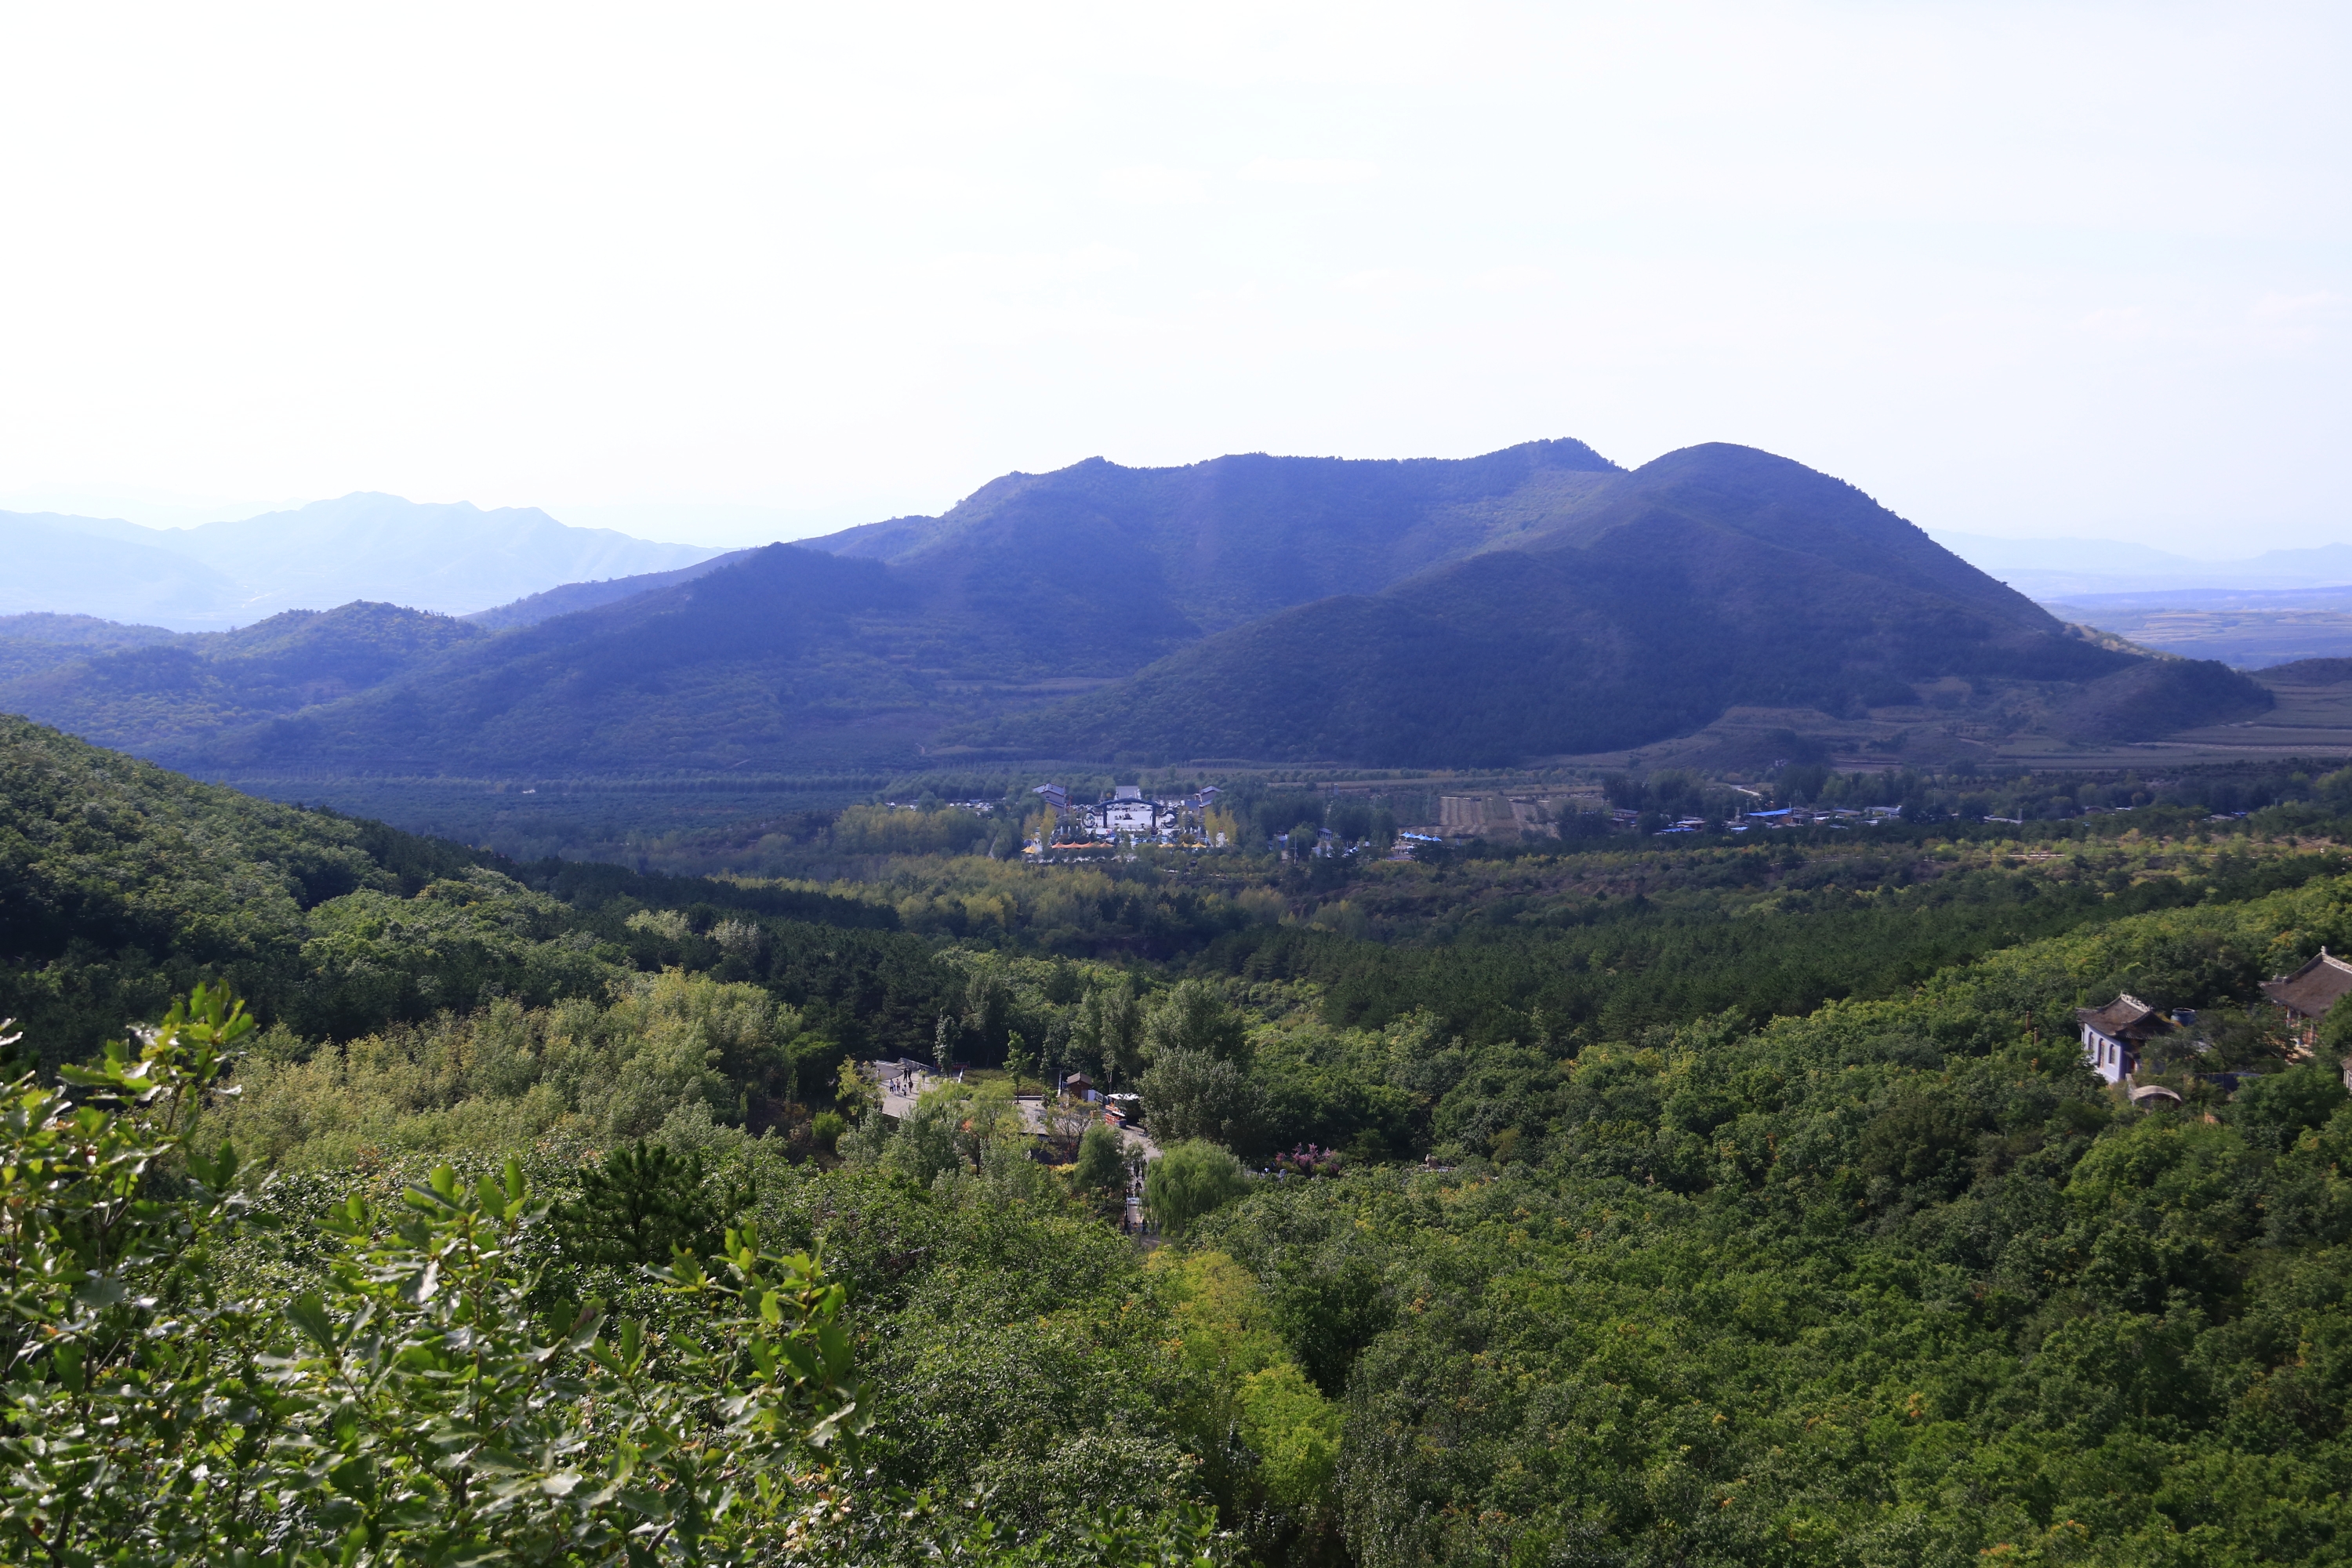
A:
[412,1407]
[432,1410]
[116,1404]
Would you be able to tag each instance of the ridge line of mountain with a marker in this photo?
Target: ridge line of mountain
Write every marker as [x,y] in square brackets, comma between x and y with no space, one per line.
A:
[1537,600]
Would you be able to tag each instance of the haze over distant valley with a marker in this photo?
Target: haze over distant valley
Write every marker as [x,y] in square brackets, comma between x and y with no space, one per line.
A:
[2065,568]
[2252,612]
[452,558]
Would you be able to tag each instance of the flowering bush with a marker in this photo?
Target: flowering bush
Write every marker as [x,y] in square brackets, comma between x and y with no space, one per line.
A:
[1307,1160]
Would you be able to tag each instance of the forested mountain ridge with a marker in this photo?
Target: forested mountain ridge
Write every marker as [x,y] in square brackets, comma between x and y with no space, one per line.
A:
[1533,602]
[567,598]
[789,656]
[792,656]
[1741,490]
[164,693]
[37,641]
[1714,576]
[122,882]
[1235,537]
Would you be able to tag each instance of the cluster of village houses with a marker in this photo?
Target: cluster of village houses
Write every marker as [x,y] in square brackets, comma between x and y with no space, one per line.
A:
[1460,817]
[1128,817]
[2118,1037]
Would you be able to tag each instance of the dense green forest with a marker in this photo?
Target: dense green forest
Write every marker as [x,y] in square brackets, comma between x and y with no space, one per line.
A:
[1597,1201]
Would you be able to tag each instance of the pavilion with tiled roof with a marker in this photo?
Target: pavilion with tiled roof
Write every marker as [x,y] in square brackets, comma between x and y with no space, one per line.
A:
[2310,991]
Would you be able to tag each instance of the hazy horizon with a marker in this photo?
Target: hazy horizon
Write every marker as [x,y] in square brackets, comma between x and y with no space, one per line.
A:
[740,526]
[2031,270]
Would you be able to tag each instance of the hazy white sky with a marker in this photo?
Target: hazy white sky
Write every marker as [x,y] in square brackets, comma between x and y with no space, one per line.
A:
[712,272]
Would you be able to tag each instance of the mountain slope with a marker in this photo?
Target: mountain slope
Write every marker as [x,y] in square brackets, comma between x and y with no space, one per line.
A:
[34,642]
[1713,577]
[1535,600]
[792,657]
[126,883]
[569,597]
[159,697]
[1211,544]
[55,564]
[767,660]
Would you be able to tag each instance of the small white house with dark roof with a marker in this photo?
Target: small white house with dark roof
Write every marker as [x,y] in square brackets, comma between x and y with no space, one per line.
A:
[2113,1034]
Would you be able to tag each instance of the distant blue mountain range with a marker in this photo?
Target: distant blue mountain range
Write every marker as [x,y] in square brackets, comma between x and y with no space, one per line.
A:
[2048,568]
[454,558]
